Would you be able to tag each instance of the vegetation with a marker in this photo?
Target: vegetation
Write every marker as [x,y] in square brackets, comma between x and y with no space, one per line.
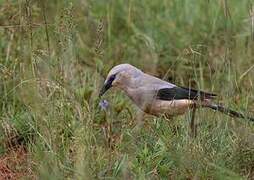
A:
[54,56]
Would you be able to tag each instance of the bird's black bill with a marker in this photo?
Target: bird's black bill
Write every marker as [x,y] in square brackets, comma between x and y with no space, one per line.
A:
[104,89]
[107,85]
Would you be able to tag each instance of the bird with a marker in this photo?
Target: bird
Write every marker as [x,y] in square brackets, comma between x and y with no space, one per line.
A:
[158,97]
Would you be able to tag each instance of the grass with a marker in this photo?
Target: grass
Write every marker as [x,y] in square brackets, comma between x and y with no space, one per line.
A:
[55,55]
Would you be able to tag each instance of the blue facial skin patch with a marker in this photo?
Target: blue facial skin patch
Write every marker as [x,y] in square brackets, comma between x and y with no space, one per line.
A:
[104,104]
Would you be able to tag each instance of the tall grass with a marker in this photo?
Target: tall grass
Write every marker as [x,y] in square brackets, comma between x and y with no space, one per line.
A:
[55,55]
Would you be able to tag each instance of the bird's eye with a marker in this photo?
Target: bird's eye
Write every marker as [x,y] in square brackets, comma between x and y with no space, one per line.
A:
[112,78]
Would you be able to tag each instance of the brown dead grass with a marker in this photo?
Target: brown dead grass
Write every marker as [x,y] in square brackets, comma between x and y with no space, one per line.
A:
[16,164]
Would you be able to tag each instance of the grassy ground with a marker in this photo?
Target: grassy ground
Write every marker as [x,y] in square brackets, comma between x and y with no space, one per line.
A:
[55,54]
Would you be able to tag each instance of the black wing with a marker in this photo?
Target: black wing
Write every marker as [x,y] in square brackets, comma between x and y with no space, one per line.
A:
[182,93]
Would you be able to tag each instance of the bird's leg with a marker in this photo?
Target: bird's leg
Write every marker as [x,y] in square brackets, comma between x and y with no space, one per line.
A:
[192,123]
[139,121]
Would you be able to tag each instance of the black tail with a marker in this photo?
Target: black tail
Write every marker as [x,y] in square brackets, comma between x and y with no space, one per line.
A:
[229,112]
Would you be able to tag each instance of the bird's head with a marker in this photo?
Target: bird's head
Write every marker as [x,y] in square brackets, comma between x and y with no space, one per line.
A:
[120,76]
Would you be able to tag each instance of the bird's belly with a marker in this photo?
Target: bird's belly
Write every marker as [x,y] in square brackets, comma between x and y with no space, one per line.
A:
[170,108]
